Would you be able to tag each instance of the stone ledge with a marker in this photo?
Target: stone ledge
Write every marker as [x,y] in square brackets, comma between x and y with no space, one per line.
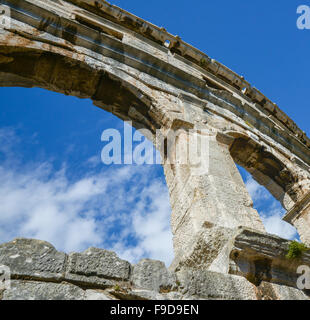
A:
[262,257]
[33,258]
[98,274]
[254,255]
[38,260]
[98,263]
[298,209]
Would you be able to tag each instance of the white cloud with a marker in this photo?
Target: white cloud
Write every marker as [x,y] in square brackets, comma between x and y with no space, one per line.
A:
[93,161]
[275,225]
[270,210]
[39,204]
[257,192]
[125,209]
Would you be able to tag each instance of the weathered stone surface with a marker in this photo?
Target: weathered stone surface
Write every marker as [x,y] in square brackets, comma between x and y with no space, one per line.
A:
[136,294]
[96,295]
[152,99]
[207,247]
[149,279]
[208,205]
[262,257]
[89,281]
[99,263]
[255,255]
[33,258]
[272,291]
[34,290]
[298,215]
[153,275]
[215,286]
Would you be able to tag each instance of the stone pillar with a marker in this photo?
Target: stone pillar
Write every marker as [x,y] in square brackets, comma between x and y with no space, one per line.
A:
[299,217]
[207,206]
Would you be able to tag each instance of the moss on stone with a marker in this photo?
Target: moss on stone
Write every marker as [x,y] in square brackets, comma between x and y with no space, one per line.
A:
[296,249]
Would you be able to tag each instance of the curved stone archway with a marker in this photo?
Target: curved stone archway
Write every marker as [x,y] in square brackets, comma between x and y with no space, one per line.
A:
[139,72]
[269,169]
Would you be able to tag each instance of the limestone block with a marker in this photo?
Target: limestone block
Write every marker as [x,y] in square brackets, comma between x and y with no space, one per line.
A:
[272,291]
[262,257]
[215,286]
[33,258]
[99,263]
[31,290]
[205,248]
[153,275]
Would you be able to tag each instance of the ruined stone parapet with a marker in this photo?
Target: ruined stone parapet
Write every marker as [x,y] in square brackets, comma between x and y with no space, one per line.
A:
[40,272]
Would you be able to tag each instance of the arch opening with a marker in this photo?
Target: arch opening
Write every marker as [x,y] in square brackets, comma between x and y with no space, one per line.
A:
[269,181]
[62,203]
[266,168]
[269,208]
[26,62]
[70,74]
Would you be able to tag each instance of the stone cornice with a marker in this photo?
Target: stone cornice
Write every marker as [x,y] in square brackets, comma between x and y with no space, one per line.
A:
[299,207]
[175,44]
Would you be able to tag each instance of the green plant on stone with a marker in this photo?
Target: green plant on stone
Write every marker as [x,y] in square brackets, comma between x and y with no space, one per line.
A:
[117,287]
[296,249]
[203,63]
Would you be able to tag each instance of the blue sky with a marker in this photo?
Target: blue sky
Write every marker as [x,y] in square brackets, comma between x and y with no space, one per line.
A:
[53,186]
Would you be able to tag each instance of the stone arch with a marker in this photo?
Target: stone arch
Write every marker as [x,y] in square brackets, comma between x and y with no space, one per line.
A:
[70,74]
[266,167]
[139,72]
[284,177]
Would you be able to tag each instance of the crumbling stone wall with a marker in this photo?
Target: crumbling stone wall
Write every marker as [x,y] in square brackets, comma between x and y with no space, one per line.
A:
[40,272]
